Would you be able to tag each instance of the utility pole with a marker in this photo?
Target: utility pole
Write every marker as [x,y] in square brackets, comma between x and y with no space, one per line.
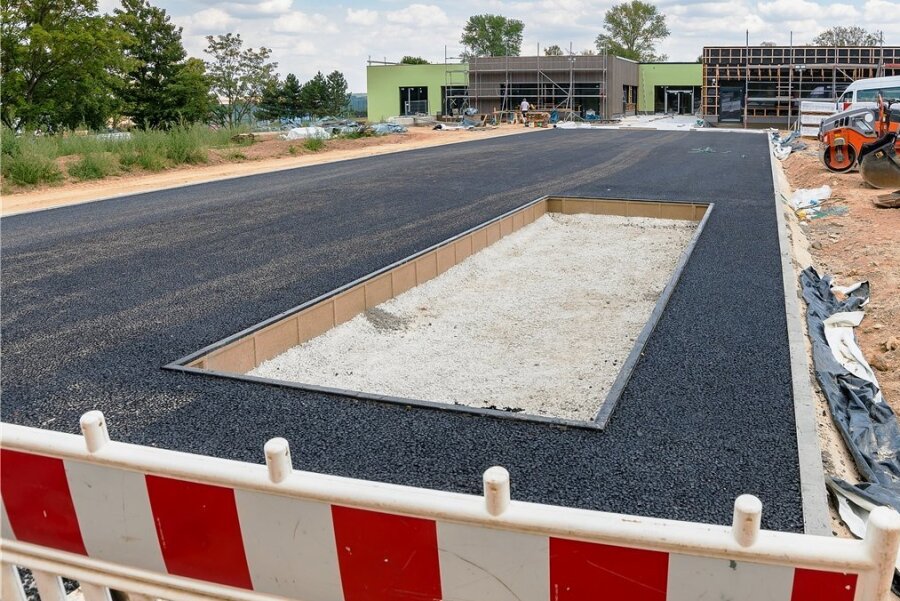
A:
[746,77]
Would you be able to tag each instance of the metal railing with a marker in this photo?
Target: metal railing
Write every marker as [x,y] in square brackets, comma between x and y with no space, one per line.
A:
[125,524]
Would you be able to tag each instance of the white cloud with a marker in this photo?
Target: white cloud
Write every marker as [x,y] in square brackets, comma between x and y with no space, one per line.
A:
[362,16]
[209,20]
[419,15]
[299,22]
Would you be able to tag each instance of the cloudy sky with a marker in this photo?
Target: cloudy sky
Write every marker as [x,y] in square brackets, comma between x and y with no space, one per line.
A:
[308,36]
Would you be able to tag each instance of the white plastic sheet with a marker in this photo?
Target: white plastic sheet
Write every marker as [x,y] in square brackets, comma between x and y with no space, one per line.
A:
[301,133]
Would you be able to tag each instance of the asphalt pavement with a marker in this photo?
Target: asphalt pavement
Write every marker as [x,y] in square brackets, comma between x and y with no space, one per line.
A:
[96,298]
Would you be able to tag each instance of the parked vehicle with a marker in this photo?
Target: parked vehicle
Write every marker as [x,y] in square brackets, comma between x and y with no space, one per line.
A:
[864,92]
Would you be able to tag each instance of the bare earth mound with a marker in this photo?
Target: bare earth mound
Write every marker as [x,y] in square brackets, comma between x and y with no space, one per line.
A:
[539,322]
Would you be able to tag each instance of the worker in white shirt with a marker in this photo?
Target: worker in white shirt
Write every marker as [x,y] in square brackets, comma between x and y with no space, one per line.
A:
[524,107]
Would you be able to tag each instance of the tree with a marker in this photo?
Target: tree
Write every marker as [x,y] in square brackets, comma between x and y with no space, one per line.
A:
[292,95]
[156,89]
[61,62]
[336,97]
[189,92]
[280,100]
[847,36]
[314,95]
[633,29]
[588,52]
[492,35]
[271,103]
[553,50]
[238,76]
[768,44]
[413,60]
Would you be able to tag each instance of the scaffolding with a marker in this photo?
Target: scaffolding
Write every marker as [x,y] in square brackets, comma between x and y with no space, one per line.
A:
[768,82]
[456,86]
[567,84]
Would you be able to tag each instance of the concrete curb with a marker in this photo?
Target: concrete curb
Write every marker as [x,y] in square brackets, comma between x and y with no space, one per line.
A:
[816,517]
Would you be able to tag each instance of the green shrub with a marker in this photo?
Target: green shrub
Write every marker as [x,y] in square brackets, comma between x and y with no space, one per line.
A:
[314,144]
[293,149]
[236,155]
[94,166]
[29,168]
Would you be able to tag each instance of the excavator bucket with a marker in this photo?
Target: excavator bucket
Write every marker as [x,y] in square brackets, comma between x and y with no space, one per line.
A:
[879,163]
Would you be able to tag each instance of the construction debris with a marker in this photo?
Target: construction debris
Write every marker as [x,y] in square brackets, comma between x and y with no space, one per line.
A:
[805,198]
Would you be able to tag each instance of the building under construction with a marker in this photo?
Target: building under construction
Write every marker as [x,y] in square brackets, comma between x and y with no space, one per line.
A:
[585,85]
[765,84]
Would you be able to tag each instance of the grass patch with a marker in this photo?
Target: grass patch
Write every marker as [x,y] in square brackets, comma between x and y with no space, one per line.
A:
[94,165]
[314,144]
[30,168]
[235,155]
[293,149]
[9,143]
[185,146]
[146,149]
[356,135]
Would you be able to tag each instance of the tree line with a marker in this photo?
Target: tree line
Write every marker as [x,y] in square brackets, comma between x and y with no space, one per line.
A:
[63,65]
[632,31]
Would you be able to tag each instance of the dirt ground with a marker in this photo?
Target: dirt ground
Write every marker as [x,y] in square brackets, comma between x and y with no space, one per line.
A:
[268,154]
[861,244]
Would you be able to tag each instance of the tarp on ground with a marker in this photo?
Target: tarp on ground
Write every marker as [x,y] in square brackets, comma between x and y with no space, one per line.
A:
[300,133]
[866,422]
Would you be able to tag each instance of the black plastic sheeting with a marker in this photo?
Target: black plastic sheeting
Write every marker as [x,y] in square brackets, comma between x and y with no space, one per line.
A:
[867,424]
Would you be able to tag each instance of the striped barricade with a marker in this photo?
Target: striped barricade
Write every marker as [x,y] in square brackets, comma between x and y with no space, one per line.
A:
[312,537]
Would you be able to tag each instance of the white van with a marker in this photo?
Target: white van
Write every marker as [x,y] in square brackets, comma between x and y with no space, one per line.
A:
[866,91]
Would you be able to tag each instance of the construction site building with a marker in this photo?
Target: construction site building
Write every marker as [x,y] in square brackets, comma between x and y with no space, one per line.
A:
[763,85]
[585,85]
[670,88]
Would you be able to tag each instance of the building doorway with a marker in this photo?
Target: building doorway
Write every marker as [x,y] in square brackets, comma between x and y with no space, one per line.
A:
[679,102]
[731,104]
[414,100]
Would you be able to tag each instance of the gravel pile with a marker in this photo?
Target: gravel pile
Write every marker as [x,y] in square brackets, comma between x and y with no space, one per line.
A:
[539,322]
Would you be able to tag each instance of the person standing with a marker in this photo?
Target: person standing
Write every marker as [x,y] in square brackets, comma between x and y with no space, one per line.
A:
[524,107]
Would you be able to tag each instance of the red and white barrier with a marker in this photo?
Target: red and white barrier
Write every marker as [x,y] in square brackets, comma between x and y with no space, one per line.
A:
[321,538]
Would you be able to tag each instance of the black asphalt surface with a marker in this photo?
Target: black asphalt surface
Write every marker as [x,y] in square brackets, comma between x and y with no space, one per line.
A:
[97,297]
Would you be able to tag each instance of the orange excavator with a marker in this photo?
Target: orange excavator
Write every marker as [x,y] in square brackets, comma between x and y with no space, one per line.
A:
[844,134]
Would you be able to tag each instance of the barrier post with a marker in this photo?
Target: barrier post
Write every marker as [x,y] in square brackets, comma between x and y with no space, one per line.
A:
[278,459]
[49,586]
[12,583]
[496,490]
[746,521]
[93,427]
[882,542]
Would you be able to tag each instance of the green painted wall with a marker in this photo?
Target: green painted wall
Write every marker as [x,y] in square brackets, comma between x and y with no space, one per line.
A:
[383,83]
[665,74]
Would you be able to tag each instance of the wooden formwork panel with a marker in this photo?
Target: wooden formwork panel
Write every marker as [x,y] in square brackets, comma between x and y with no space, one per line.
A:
[315,320]
[272,340]
[246,352]
[349,304]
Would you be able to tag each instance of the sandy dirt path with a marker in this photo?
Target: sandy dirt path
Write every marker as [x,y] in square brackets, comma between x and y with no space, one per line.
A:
[263,157]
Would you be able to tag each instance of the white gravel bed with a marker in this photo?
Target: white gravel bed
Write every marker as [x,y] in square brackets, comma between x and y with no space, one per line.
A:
[539,322]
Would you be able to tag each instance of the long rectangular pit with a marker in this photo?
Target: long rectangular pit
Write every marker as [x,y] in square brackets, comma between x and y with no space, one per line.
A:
[536,356]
